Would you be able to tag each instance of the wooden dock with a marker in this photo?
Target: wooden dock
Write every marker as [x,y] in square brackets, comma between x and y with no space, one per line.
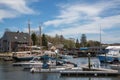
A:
[53,70]
[93,72]
[78,72]
[90,73]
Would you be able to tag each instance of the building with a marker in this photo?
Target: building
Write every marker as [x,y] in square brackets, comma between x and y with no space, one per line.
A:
[11,41]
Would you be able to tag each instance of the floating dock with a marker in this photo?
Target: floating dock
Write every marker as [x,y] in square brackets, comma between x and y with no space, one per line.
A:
[78,72]
[89,73]
[53,70]
[94,72]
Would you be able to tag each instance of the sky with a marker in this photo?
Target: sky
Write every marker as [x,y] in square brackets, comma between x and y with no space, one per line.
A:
[69,18]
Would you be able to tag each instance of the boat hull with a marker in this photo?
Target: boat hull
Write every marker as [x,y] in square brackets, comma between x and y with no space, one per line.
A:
[109,59]
[22,58]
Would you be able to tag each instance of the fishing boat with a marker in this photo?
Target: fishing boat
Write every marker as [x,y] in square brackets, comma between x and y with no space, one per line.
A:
[112,55]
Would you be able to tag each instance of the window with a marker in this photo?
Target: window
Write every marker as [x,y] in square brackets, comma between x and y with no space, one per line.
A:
[25,38]
[16,37]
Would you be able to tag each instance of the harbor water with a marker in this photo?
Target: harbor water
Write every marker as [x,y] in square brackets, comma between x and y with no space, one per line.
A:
[9,72]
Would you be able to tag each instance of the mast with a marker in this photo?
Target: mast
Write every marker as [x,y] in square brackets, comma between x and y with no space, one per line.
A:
[40,33]
[29,34]
[100,38]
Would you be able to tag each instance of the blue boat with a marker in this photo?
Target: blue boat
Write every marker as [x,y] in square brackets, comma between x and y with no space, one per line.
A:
[112,55]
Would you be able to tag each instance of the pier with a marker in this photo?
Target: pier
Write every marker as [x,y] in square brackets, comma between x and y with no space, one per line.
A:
[81,72]
[90,73]
[93,72]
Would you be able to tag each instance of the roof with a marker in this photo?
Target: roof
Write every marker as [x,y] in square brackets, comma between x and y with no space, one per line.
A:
[16,36]
[59,46]
[83,48]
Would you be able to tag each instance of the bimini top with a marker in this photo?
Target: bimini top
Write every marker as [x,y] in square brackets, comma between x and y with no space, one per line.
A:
[113,47]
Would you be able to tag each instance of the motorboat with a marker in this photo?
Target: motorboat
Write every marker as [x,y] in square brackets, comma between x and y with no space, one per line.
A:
[112,55]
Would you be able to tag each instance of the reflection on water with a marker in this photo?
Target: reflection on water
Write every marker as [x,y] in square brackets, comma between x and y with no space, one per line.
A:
[8,72]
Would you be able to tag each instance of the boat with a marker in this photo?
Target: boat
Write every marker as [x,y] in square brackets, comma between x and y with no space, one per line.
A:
[45,61]
[22,56]
[56,53]
[61,56]
[112,55]
[53,67]
[39,61]
[26,55]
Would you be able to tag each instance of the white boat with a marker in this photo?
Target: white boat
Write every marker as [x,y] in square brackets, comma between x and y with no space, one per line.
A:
[37,62]
[27,55]
[22,56]
[113,54]
[54,68]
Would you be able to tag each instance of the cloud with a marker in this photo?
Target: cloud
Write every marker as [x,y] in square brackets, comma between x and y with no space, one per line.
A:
[13,8]
[92,28]
[73,12]
[85,18]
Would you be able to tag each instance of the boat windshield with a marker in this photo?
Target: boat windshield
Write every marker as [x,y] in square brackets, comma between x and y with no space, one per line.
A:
[114,51]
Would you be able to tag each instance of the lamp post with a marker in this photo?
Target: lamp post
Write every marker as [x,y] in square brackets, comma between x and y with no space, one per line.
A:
[56,51]
[89,64]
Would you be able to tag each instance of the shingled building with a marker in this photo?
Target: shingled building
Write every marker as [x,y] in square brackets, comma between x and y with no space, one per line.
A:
[12,40]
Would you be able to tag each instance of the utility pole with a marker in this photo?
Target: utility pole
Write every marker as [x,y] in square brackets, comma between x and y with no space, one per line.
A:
[89,63]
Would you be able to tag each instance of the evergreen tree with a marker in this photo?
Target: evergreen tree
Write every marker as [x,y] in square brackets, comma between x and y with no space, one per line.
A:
[77,44]
[83,40]
[34,38]
[44,41]
[61,38]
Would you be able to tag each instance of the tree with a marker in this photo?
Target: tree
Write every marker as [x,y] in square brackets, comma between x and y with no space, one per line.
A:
[77,44]
[44,41]
[83,40]
[34,38]
[61,38]
[69,44]
[92,43]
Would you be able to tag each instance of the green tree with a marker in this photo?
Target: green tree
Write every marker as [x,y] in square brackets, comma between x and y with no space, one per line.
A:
[34,38]
[44,41]
[77,44]
[69,44]
[83,40]
[92,43]
[61,38]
